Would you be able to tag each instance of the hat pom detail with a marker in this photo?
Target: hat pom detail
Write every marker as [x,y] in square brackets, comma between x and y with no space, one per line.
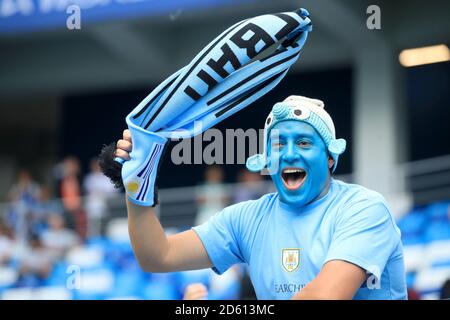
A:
[256,163]
[337,146]
[280,111]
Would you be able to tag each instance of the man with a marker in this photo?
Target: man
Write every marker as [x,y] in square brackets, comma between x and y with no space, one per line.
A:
[315,238]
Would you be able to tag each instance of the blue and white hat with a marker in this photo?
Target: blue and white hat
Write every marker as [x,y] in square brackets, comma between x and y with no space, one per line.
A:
[306,110]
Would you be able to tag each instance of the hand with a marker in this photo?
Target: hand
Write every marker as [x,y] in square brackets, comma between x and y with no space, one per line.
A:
[124,146]
[195,291]
[140,161]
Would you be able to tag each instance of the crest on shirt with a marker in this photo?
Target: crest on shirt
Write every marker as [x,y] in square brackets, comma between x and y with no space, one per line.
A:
[290,259]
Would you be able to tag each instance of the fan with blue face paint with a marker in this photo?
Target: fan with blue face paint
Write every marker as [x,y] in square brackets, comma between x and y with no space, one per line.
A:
[301,150]
[316,237]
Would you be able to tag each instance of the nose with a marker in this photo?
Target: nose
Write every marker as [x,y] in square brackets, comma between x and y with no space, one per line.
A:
[291,155]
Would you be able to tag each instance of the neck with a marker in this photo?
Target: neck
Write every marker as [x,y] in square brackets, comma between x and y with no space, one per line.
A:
[325,189]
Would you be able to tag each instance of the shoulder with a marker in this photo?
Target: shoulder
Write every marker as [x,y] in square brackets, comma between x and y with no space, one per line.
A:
[358,202]
[355,195]
[258,206]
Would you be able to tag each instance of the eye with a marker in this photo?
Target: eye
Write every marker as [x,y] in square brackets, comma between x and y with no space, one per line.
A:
[277,144]
[304,143]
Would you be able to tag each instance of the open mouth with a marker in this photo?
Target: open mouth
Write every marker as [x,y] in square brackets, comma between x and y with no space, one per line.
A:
[293,178]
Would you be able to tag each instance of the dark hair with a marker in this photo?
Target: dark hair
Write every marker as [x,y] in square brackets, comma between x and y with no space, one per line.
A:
[110,168]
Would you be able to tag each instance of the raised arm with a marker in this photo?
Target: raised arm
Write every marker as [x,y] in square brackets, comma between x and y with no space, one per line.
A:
[155,251]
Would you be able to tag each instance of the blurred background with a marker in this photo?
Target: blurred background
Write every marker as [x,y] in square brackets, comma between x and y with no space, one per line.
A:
[64,92]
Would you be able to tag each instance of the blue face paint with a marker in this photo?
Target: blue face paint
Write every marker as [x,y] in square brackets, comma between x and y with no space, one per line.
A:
[298,162]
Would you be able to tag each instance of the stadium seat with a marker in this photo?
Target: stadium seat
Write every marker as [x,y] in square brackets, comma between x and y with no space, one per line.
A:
[159,290]
[224,287]
[117,230]
[97,242]
[85,257]
[410,279]
[52,293]
[413,222]
[413,239]
[186,278]
[121,255]
[438,252]
[414,257]
[126,284]
[18,294]
[431,279]
[437,230]
[58,275]
[41,293]
[8,276]
[438,211]
[95,284]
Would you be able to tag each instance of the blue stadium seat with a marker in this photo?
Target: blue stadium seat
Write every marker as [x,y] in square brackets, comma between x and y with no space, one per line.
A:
[410,279]
[185,278]
[230,292]
[95,284]
[8,277]
[438,264]
[438,211]
[412,223]
[58,275]
[412,239]
[437,230]
[127,284]
[159,290]
[99,241]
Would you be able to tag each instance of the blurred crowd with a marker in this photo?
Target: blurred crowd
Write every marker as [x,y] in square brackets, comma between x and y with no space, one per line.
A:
[41,223]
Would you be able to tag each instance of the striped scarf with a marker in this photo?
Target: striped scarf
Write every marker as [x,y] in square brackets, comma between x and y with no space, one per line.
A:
[238,67]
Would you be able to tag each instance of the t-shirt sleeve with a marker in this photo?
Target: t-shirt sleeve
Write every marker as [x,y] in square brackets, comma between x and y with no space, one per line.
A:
[220,236]
[365,235]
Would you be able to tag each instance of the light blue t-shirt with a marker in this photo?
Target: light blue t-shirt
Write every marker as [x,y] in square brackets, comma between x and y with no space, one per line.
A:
[285,248]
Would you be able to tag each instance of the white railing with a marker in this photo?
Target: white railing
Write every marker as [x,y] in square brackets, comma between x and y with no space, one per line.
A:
[428,180]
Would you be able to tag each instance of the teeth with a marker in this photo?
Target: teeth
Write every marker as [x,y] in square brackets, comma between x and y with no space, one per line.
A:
[293,170]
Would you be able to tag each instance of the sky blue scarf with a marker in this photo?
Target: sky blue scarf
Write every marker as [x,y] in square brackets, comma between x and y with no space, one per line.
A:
[238,67]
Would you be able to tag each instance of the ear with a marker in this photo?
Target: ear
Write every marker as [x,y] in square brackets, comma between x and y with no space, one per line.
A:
[330,162]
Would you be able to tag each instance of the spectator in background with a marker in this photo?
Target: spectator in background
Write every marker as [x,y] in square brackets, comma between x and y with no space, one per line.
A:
[23,196]
[25,188]
[211,195]
[250,186]
[70,191]
[413,294]
[6,244]
[195,291]
[35,264]
[58,239]
[232,285]
[98,190]
[46,205]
